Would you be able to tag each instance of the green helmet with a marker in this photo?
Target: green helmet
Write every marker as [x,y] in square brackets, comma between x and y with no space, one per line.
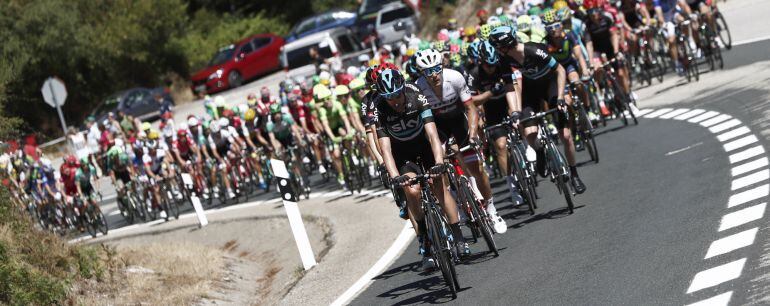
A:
[484,31]
[549,17]
[114,151]
[275,108]
[424,45]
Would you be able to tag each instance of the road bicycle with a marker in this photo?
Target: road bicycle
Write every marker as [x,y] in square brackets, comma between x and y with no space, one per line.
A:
[581,126]
[519,167]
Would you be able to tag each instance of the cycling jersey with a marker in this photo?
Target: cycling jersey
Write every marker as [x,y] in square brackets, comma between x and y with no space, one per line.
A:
[369,107]
[600,34]
[83,179]
[155,162]
[496,108]
[282,130]
[630,8]
[332,115]
[455,94]
[68,179]
[562,51]
[537,63]
[220,142]
[184,147]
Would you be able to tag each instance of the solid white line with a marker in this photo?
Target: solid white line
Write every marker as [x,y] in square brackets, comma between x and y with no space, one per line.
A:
[644,111]
[750,166]
[751,40]
[659,112]
[684,149]
[719,300]
[717,275]
[746,154]
[702,117]
[748,195]
[674,113]
[732,243]
[715,120]
[398,246]
[113,213]
[689,114]
[740,142]
[751,179]
[724,125]
[742,216]
[732,134]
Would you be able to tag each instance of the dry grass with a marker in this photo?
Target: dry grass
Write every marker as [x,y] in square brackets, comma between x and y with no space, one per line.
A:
[181,274]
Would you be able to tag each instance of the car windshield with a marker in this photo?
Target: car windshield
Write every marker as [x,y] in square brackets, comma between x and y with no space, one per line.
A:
[304,26]
[222,55]
[301,56]
[109,104]
[396,14]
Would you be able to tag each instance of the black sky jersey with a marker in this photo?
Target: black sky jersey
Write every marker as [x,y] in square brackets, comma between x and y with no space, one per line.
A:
[599,34]
[369,107]
[537,62]
[407,125]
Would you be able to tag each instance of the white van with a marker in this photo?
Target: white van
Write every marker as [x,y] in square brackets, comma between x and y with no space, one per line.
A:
[338,45]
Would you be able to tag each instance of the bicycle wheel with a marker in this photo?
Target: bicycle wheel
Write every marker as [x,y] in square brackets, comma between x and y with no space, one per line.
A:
[518,167]
[125,208]
[101,220]
[557,162]
[723,31]
[90,223]
[173,204]
[587,135]
[441,250]
[479,216]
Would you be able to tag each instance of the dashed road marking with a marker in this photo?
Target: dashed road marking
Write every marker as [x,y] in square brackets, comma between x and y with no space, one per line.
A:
[690,114]
[743,216]
[740,142]
[750,166]
[719,300]
[702,117]
[733,133]
[717,275]
[731,243]
[746,154]
[659,112]
[748,195]
[724,125]
[716,120]
[674,113]
[750,179]
[643,112]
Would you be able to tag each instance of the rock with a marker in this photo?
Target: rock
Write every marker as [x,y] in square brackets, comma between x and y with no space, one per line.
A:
[138,269]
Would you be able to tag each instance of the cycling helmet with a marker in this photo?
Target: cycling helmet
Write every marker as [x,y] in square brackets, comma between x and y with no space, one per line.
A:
[213,126]
[181,133]
[502,37]
[322,92]
[455,59]
[481,13]
[488,53]
[192,121]
[325,77]
[411,67]
[341,90]
[223,122]
[452,23]
[71,160]
[423,45]
[390,82]
[565,14]
[264,92]
[484,31]
[275,109]
[559,4]
[428,58]
[523,23]
[153,134]
[219,101]
[549,17]
[250,114]
[590,4]
[493,21]
[356,84]
[473,49]
[228,113]
[146,126]
[469,31]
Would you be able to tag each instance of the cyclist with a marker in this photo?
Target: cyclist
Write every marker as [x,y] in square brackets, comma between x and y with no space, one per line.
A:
[221,143]
[406,133]
[336,125]
[667,12]
[284,135]
[492,85]
[455,115]
[634,15]
[543,80]
[604,37]
[85,176]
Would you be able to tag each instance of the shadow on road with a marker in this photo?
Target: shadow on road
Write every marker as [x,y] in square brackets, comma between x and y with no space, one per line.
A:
[437,292]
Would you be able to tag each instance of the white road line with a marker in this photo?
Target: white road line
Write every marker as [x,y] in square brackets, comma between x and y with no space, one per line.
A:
[113,213]
[644,111]
[719,300]
[742,216]
[659,112]
[724,125]
[702,117]
[746,154]
[750,166]
[751,179]
[732,243]
[398,246]
[748,195]
[716,120]
[674,113]
[740,142]
[717,275]
[752,40]
[690,114]
[732,134]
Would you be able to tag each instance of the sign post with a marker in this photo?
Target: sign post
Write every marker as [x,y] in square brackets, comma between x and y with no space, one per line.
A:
[289,196]
[55,93]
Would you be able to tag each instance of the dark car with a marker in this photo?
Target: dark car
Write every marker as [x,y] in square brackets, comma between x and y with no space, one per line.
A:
[245,60]
[138,102]
[321,22]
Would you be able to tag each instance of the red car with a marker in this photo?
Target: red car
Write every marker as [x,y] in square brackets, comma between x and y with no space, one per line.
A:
[236,63]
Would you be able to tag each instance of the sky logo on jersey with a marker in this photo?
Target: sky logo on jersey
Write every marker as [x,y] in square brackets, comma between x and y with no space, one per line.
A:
[406,130]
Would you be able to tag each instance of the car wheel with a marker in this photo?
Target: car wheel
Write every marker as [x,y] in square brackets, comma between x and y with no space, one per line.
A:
[235,79]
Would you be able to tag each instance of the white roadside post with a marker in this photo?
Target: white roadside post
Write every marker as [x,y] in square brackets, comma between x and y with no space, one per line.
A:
[289,197]
[196,202]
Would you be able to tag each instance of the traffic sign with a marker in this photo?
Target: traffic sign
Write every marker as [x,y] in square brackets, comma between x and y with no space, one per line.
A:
[54,91]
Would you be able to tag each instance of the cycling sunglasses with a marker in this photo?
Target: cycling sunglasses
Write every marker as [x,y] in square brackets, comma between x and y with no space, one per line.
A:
[553,27]
[593,10]
[432,70]
[392,95]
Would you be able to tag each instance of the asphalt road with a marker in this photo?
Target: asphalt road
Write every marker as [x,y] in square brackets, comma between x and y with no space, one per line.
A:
[654,205]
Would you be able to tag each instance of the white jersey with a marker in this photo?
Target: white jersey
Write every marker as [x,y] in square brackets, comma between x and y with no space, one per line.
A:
[455,93]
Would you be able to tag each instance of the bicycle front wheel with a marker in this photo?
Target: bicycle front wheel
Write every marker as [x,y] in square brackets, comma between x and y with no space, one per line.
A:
[480,218]
[442,253]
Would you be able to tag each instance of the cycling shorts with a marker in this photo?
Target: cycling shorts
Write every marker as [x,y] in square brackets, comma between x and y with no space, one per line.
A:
[535,93]
[406,154]
[495,112]
[123,176]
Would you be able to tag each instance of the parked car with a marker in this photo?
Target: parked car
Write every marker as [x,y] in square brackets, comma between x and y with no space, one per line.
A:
[245,60]
[138,102]
[339,45]
[367,17]
[394,21]
[321,22]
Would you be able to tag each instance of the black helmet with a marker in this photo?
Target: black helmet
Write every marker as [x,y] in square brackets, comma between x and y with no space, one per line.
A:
[502,37]
[390,82]
[488,53]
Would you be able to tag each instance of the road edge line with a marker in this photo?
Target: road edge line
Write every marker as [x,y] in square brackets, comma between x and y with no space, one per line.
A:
[396,249]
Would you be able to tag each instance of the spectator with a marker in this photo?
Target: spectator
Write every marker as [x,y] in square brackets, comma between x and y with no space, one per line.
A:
[165,104]
[482,15]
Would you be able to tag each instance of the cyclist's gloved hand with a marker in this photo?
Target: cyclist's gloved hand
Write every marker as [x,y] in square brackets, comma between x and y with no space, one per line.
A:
[515,117]
[498,89]
[561,104]
[437,169]
[400,180]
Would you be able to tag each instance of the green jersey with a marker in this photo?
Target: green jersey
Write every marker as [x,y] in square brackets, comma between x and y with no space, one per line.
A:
[333,115]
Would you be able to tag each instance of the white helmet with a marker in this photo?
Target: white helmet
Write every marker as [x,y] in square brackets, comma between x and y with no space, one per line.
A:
[224,122]
[219,101]
[214,126]
[428,58]
[354,71]
[192,121]
[363,58]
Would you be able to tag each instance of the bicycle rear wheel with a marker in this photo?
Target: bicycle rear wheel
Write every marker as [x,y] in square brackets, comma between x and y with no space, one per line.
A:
[442,250]
[90,222]
[558,164]
[518,165]
[480,217]
[101,220]
[723,31]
